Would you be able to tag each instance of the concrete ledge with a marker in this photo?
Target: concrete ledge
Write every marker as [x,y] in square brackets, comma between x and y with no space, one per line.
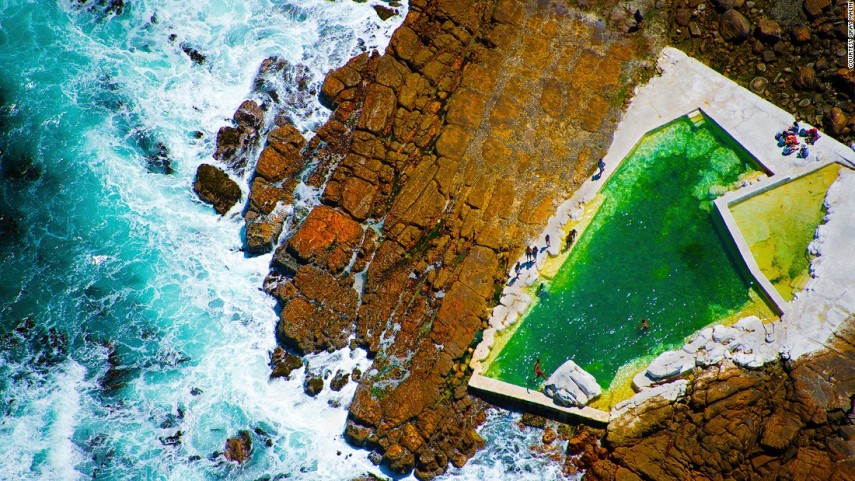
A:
[510,395]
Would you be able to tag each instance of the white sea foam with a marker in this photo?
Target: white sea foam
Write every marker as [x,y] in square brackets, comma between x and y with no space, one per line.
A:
[513,452]
[45,416]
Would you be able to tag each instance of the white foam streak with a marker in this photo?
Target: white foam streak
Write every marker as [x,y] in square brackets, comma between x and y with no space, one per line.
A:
[43,432]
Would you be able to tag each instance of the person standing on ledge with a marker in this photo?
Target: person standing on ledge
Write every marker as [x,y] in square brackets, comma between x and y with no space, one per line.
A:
[571,238]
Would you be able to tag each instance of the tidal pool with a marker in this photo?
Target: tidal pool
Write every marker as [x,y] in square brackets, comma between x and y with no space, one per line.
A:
[779,224]
[653,250]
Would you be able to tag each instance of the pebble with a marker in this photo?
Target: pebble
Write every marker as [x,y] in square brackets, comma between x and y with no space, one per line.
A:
[761,67]
[758,84]
[804,103]
[694,29]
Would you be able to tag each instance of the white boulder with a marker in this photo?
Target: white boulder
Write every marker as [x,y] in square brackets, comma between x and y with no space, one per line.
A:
[670,364]
[570,385]
[641,381]
[724,334]
[712,353]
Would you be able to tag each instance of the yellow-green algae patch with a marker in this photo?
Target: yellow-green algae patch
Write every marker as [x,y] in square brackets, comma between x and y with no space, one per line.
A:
[779,224]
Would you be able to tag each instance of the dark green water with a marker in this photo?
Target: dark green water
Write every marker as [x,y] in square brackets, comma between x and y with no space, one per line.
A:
[652,251]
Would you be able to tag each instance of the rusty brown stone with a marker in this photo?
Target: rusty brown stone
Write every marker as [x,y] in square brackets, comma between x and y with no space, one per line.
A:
[459,196]
[238,448]
[327,237]
[744,424]
[320,317]
[214,186]
[357,197]
[264,196]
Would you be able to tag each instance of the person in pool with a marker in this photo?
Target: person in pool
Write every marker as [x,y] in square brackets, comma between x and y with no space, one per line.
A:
[537,371]
[644,325]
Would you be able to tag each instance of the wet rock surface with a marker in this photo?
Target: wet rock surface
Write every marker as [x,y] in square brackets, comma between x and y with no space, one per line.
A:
[239,448]
[215,187]
[782,421]
[283,363]
[314,384]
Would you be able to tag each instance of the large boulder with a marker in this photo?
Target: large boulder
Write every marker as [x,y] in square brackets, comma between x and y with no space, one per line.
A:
[215,187]
[283,363]
[326,237]
[238,448]
[570,385]
[249,114]
[313,384]
[733,26]
[282,158]
[230,142]
[835,121]
[670,364]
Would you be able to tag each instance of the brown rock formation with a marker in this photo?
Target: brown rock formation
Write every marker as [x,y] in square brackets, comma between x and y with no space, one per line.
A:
[233,141]
[283,363]
[480,118]
[276,174]
[238,448]
[779,422]
[214,186]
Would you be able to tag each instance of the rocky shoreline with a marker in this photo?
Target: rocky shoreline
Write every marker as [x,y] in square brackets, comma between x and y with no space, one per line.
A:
[443,158]
[785,420]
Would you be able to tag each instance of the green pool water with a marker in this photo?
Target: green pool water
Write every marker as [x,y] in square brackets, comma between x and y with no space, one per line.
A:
[653,250]
[779,224]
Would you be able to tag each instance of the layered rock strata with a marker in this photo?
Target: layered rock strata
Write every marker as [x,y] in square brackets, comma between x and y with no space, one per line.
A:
[442,159]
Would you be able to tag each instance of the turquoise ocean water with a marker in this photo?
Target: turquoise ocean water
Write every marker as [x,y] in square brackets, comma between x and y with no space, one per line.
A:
[129,318]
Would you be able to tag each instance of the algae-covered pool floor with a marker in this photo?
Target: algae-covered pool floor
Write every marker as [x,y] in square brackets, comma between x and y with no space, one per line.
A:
[779,224]
[651,251]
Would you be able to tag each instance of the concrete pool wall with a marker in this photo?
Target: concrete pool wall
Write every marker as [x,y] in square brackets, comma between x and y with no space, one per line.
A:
[684,86]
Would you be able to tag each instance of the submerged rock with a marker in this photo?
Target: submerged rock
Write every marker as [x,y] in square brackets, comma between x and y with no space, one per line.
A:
[570,385]
[385,13]
[314,384]
[340,380]
[215,187]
